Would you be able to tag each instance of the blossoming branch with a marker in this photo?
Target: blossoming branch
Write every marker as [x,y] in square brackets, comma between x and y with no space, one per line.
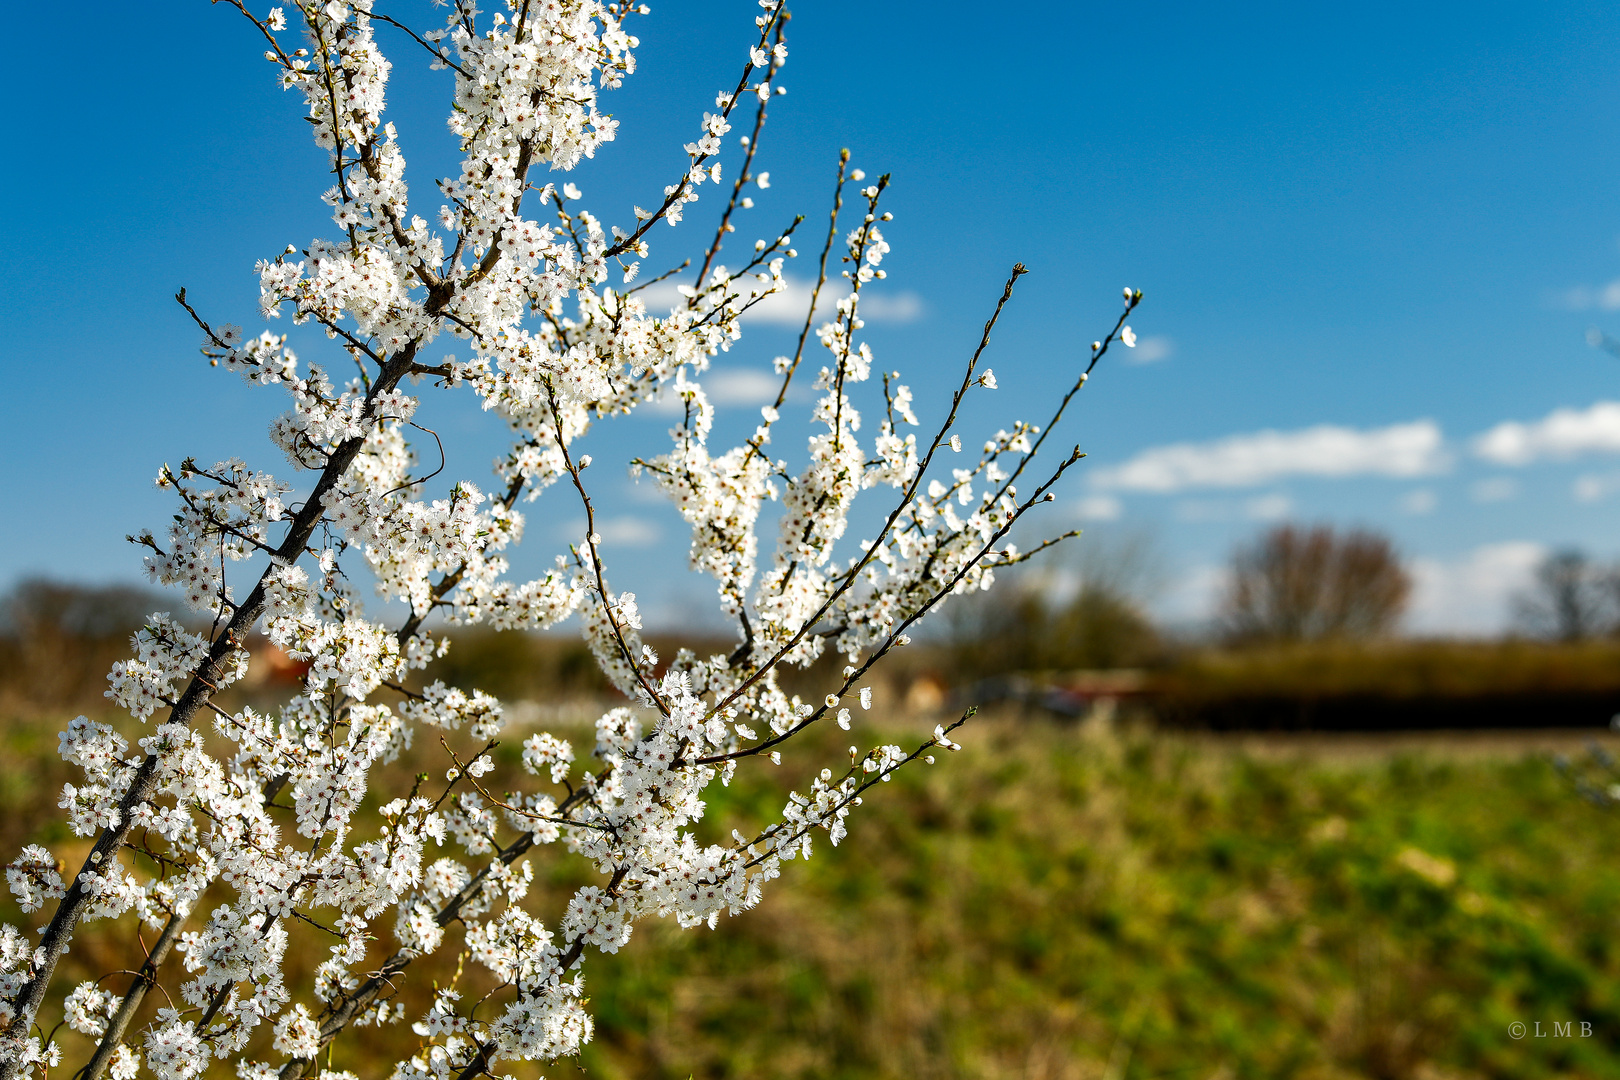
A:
[223,832]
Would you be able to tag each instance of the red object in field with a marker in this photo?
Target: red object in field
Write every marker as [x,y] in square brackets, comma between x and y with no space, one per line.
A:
[277,667]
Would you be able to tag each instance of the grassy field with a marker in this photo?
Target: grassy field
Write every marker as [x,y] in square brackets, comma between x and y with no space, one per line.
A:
[1063,902]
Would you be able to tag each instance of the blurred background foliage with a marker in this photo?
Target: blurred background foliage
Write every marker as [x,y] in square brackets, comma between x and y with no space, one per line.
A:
[1080,902]
[1296,845]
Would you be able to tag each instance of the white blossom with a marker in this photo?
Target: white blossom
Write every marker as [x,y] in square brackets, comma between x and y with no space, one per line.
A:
[493,284]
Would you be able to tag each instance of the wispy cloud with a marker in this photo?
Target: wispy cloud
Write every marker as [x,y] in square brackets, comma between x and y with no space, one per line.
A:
[1263,457]
[1271,507]
[624,531]
[1470,594]
[1099,508]
[1494,489]
[1268,507]
[788,307]
[1562,433]
[1592,487]
[1588,297]
[1197,511]
[726,387]
[883,307]
[1419,501]
[1150,350]
[741,386]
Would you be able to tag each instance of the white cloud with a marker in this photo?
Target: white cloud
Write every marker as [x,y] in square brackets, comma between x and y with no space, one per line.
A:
[1471,594]
[1150,350]
[1495,489]
[1591,487]
[628,532]
[1263,457]
[1268,507]
[741,386]
[1419,501]
[621,531]
[1586,297]
[884,307]
[1562,433]
[725,387]
[788,307]
[1099,508]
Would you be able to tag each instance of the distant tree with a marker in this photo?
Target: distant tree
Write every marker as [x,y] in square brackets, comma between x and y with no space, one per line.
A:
[40,607]
[1105,624]
[1571,598]
[57,639]
[1299,584]
[1105,629]
[1086,615]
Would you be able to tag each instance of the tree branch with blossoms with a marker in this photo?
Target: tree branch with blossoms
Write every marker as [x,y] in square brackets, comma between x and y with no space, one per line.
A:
[236,838]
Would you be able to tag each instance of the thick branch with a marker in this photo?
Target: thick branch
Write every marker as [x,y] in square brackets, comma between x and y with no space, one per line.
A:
[145,979]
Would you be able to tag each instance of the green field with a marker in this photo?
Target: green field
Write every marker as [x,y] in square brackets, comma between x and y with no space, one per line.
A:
[1051,905]
[1057,902]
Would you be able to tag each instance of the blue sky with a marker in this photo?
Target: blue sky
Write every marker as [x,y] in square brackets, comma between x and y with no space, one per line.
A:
[1378,233]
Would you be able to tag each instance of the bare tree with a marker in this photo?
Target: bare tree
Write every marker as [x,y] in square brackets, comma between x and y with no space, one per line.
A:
[1298,584]
[1087,612]
[1571,600]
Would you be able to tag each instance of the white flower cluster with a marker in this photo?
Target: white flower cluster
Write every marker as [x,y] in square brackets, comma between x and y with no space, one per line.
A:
[448,707]
[227,521]
[34,878]
[230,846]
[164,652]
